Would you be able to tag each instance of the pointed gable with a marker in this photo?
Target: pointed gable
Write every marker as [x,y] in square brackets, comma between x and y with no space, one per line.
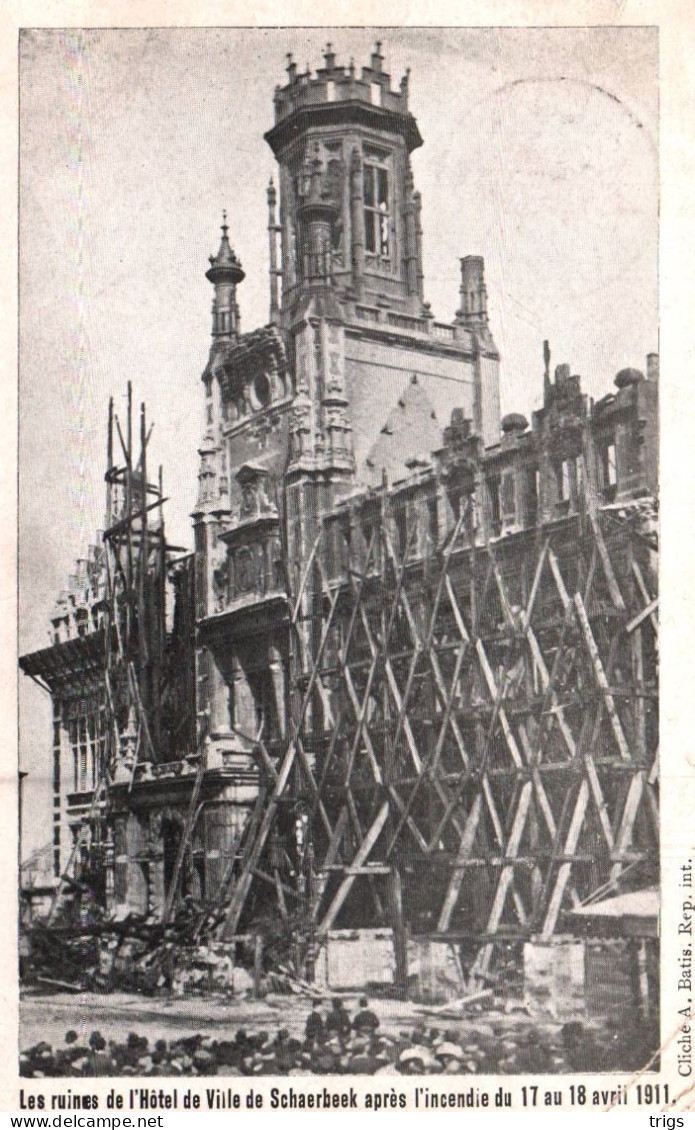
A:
[410,434]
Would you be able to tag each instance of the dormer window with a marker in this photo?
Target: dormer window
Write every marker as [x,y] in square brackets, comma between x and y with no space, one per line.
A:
[377,218]
[375,93]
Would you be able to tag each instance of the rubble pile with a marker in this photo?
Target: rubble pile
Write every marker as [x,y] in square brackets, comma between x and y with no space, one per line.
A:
[334,1042]
[135,953]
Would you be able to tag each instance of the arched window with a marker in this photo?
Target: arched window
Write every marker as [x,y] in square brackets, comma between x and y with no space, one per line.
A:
[377,211]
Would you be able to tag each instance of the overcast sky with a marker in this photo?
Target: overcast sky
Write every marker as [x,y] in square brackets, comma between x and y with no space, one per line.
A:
[540,154]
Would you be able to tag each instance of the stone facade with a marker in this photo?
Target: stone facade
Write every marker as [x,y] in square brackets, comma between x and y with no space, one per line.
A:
[351,394]
[297,412]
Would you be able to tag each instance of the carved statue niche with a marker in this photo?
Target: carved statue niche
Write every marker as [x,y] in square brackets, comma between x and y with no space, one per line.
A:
[220,577]
[254,481]
[334,190]
[245,570]
[154,832]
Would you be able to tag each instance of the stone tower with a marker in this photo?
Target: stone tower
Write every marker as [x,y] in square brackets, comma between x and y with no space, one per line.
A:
[350,384]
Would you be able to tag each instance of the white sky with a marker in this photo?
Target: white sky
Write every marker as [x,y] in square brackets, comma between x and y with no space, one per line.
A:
[540,154]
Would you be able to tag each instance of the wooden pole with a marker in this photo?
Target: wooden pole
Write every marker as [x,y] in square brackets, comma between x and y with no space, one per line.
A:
[257,965]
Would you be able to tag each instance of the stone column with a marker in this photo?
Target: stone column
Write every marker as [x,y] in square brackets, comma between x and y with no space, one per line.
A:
[410,236]
[219,700]
[244,702]
[357,220]
[277,673]
[120,860]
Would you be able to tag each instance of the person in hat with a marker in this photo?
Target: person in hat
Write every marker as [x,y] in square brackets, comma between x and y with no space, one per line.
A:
[315,1028]
[325,1058]
[412,1061]
[338,1020]
[359,1059]
[100,1061]
[384,1064]
[580,1050]
[450,1056]
[285,1050]
[302,1066]
[65,1057]
[533,1057]
[366,1020]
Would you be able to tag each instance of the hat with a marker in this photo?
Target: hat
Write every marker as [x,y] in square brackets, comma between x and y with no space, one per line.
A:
[448,1049]
[409,1054]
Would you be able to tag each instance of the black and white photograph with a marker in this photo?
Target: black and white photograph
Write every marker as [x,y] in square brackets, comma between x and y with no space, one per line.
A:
[338,538]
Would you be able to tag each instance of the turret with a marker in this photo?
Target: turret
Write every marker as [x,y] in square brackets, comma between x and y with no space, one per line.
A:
[348,210]
[472,312]
[225,273]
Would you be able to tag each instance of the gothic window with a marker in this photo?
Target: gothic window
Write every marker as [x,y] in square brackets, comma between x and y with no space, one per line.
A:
[610,472]
[402,530]
[87,736]
[508,497]
[579,474]
[609,469]
[533,495]
[562,476]
[493,487]
[377,218]
[432,522]
[263,691]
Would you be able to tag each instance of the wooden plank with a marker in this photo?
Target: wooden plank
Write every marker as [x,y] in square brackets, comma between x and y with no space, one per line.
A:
[362,854]
[465,849]
[627,823]
[507,873]
[531,602]
[547,686]
[601,679]
[329,859]
[395,692]
[496,694]
[241,890]
[646,612]
[362,733]
[613,586]
[305,576]
[646,597]
[563,874]
[558,578]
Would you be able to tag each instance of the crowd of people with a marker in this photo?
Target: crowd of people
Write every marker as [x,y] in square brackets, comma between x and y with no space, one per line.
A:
[334,1042]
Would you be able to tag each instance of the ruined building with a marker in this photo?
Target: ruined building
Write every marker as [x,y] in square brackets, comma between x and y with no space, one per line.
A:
[410,676]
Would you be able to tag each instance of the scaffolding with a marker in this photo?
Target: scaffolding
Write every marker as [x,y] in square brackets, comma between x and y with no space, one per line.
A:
[136,566]
[133,652]
[474,734]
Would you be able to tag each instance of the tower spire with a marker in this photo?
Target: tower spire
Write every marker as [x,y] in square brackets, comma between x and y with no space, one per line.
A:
[274,230]
[225,273]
